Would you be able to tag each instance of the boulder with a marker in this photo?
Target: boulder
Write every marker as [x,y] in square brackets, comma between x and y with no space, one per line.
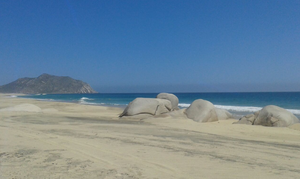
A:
[152,106]
[223,114]
[137,117]
[177,114]
[248,119]
[171,97]
[202,111]
[275,116]
[271,115]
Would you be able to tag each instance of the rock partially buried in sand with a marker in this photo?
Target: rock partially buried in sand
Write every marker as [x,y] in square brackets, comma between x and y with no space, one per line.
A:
[152,106]
[171,97]
[248,119]
[223,114]
[22,108]
[202,111]
[271,115]
[176,114]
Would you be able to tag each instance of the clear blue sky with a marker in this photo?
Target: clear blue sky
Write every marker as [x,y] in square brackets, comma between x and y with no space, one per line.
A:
[154,45]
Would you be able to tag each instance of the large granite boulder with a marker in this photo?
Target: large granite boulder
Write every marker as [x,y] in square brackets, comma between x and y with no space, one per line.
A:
[223,114]
[275,116]
[149,106]
[171,97]
[202,111]
[271,115]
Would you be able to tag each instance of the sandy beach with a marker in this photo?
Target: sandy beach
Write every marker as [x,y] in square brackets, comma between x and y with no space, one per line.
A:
[68,140]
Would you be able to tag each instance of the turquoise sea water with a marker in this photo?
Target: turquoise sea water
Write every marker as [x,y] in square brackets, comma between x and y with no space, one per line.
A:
[236,103]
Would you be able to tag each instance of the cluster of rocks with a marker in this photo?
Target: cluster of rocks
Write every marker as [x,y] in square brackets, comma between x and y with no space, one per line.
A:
[166,105]
[148,107]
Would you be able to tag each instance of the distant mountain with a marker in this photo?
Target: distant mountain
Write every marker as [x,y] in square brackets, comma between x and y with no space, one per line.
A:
[47,84]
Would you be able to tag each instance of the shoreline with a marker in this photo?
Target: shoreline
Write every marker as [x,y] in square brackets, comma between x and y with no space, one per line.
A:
[237,111]
[68,140]
[63,101]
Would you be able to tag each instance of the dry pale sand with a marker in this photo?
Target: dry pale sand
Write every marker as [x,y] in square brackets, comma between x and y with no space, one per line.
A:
[63,140]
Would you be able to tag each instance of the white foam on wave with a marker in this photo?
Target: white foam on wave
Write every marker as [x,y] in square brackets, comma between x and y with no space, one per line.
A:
[184,105]
[230,108]
[294,111]
[240,108]
[84,100]
[249,109]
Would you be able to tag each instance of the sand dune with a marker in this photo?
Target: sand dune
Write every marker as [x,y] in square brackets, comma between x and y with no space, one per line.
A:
[65,140]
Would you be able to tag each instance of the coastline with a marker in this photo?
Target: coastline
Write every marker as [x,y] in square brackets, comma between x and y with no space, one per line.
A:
[69,140]
[79,101]
[239,104]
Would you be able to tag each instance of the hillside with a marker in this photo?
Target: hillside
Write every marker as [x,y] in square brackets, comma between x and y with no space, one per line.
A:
[46,83]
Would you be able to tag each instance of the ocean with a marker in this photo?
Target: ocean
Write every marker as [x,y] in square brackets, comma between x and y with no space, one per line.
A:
[238,104]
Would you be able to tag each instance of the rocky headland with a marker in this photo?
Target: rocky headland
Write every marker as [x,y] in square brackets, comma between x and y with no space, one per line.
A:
[46,83]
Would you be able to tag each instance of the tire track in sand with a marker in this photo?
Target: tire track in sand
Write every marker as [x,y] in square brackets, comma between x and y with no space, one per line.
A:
[94,152]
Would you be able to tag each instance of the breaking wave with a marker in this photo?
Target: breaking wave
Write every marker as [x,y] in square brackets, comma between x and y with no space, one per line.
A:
[84,100]
[184,105]
[240,108]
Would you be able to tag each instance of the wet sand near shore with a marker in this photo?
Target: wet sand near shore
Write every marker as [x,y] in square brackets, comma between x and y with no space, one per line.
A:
[66,140]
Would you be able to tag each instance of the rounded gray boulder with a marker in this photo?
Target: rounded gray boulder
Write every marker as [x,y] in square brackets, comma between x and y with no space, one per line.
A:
[275,116]
[223,114]
[271,115]
[150,106]
[202,111]
[171,97]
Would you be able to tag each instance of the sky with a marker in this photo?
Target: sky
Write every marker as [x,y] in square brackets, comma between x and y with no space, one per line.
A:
[154,45]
